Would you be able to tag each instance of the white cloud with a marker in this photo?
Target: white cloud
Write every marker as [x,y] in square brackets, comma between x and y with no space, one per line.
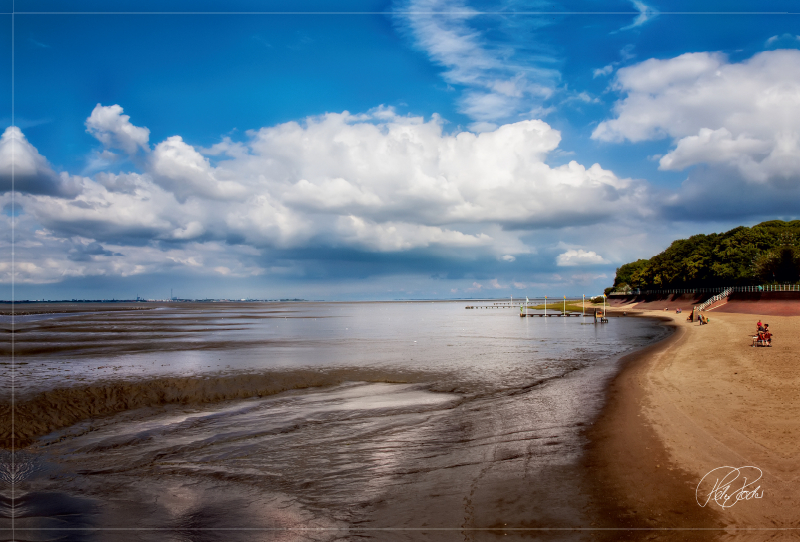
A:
[182,170]
[330,195]
[496,285]
[573,258]
[479,127]
[786,39]
[394,236]
[605,70]
[191,230]
[377,182]
[45,256]
[741,115]
[407,170]
[115,131]
[30,170]
[499,84]
[719,147]
[646,13]
[587,278]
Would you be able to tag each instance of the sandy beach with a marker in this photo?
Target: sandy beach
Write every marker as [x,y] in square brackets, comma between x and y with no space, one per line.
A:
[700,400]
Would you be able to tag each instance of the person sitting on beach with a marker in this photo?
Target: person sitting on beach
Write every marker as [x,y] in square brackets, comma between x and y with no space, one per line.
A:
[767,335]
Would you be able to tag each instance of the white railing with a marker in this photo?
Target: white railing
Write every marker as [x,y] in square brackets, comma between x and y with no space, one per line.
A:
[769,288]
[762,288]
[638,291]
[721,295]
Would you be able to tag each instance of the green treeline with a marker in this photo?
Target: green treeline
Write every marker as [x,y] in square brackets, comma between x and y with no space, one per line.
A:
[767,253]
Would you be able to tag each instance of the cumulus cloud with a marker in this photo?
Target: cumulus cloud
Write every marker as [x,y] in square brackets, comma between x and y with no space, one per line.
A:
[182,170]
[22,166]
[115,131]
[405,169]
[374,182]
[573,258]
[744,116]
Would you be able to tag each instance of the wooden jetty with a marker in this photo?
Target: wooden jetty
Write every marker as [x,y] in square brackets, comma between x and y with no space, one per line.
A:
[549,314]
[600,317]
[557,314]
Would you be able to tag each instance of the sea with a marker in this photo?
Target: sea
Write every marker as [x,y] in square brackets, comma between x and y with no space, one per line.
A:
[304,421]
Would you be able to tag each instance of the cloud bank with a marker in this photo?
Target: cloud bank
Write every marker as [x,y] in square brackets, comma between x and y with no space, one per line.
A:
[744,116]
[375,182]
[341,194]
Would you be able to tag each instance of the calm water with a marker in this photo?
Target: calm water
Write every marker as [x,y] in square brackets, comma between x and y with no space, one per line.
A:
[422,415]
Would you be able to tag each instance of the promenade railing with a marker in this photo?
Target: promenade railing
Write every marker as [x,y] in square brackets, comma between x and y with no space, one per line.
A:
[768,288]
[761,288]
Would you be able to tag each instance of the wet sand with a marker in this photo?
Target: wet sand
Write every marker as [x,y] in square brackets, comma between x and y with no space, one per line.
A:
[502,458]
[702,399]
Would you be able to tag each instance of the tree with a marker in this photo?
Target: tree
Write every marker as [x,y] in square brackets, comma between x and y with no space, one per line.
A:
[781,265]
[628,274]
[767,252]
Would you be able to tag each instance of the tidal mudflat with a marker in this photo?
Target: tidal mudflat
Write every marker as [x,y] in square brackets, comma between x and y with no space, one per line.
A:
[295,421]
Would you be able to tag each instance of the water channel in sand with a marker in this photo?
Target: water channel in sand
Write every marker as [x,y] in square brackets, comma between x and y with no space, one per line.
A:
[423,416]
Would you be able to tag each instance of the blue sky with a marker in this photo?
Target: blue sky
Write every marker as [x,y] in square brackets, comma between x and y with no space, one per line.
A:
[382,150]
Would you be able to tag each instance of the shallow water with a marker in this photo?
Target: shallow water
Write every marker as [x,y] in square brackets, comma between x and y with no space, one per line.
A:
[486,431]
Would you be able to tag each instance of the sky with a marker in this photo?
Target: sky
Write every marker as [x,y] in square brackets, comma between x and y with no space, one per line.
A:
[378,149]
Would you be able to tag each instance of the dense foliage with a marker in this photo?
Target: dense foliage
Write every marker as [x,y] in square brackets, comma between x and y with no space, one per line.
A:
[764,254]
